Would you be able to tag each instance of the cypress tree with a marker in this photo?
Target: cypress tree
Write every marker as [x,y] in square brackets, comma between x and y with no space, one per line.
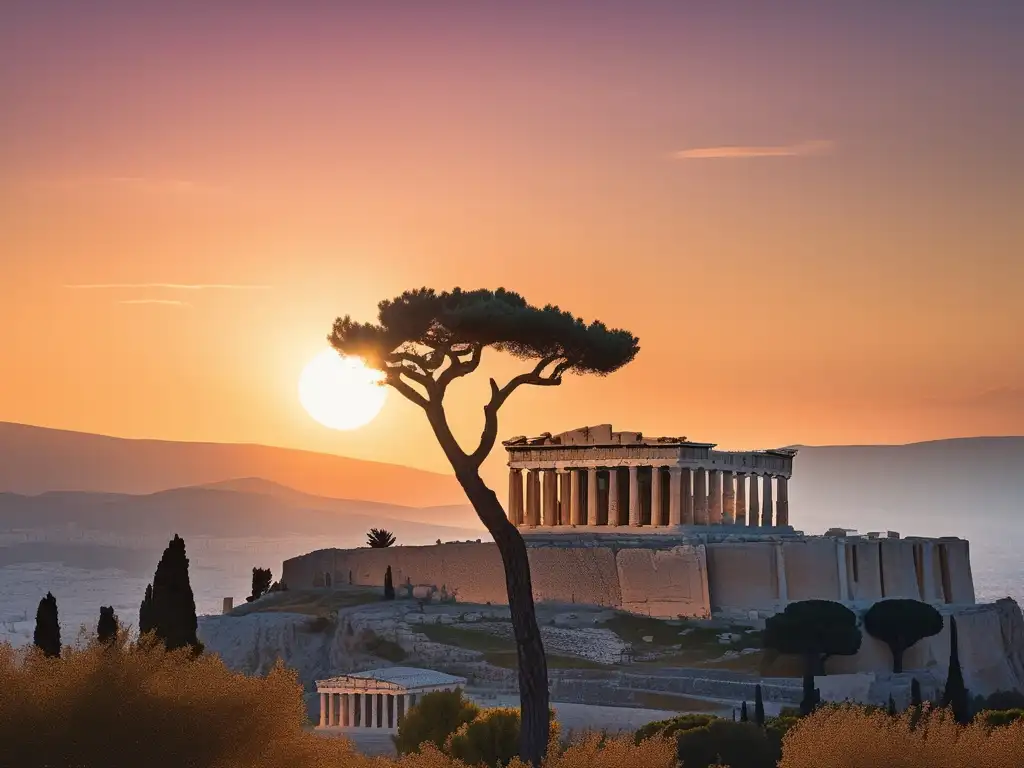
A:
[146,621]
[915,693]
[174,606]
[389,586]
[744,717]
[47,634]
[758,706]
[955,694]
[892,706]
[106,628]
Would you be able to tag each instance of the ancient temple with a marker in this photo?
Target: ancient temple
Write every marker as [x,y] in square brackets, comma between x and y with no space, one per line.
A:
[598,479]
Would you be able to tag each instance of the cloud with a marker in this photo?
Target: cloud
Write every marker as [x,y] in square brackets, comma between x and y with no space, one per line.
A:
[170,286]
[803,149]
[162,302]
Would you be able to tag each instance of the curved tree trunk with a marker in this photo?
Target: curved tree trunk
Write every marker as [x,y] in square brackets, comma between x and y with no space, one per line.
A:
[533,667]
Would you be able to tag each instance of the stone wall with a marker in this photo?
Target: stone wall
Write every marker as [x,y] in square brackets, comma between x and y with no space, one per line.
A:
[669,576]
[666,582]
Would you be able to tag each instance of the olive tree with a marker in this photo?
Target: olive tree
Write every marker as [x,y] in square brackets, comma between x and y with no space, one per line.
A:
[424,340]
[900,624]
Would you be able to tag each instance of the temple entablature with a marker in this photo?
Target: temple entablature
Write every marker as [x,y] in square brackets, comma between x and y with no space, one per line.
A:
[596,477]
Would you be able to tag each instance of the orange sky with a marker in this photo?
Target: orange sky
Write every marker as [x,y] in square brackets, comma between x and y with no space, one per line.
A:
[855,275]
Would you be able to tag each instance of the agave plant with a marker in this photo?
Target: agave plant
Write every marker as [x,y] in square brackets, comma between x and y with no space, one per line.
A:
[378,538]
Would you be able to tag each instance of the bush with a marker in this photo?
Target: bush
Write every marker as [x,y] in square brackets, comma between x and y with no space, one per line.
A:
[491,739]
[435,717]
[997,717]
[838,735]
[724,742]
[999,700]
[125,706]
[669,728]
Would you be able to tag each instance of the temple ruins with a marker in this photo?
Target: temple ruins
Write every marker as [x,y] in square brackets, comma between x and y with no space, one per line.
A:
[596,479]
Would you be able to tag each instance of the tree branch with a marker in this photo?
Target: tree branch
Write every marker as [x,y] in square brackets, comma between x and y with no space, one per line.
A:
[393,377]
[500,394]
[458,366]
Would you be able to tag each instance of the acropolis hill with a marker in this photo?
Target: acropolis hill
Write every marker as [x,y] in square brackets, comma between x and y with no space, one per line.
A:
[660,526]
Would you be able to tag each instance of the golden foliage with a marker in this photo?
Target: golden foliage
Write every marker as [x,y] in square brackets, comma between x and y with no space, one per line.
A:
[133,705]
[853,737]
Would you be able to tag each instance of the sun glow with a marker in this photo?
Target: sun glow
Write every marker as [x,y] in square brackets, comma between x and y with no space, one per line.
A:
[341,392]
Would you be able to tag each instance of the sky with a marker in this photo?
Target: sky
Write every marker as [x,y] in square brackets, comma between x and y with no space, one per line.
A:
[810,213]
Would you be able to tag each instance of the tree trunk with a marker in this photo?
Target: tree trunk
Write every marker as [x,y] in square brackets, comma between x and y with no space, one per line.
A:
[533,667]
[897,658]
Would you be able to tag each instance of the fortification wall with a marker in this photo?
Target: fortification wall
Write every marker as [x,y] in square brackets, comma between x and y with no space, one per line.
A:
[667,582]
[744,576]
[812,569]
[668,576]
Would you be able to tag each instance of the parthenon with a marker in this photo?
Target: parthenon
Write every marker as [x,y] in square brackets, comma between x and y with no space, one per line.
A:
[595,478]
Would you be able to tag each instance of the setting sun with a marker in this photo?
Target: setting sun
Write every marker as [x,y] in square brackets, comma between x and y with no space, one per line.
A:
[341,392]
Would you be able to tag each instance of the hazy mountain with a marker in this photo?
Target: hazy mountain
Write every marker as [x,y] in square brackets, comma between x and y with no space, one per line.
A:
[36,459]
[965,486]
[224,513]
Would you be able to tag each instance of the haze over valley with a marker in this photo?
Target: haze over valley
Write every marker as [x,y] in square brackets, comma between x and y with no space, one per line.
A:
[100,542]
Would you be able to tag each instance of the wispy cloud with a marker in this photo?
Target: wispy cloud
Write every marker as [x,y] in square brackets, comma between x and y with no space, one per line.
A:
[161,302]
[803,149]
[170,286]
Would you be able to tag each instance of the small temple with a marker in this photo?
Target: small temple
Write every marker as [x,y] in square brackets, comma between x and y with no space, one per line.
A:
[598,479]
[378,698]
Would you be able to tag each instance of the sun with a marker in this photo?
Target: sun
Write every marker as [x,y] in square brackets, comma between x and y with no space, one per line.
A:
[341,392]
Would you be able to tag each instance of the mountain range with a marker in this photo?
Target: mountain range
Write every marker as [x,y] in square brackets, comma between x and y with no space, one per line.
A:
[51,477]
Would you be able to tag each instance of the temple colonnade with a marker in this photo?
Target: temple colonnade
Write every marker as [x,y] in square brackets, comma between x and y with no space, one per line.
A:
[646,496]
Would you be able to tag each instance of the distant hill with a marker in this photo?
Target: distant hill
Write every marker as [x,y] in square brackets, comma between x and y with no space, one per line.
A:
[964,486]
[37,459]
[223,513]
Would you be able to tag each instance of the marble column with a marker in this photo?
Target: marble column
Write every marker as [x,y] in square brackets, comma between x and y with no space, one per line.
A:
[613,497]
[766,502]
[323,709]
[728,497]
[575,499]
[533,498]
[754,511]
[515,496]
[700,496]
[782,502]
[657,508]
[741,498]
[634,497]
[332,717]
[550,493]
[687,491]
[715,513]
[675,496]
[564,497]
[592,496]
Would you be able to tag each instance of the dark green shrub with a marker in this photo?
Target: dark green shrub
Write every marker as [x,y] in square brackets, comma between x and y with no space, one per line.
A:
[106,627]
[435,717]
[1000,700]
[758,706]
[726,743]
[995,718]
[670,728]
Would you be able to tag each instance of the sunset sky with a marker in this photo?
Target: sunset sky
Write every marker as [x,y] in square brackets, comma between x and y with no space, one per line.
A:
[813,218]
